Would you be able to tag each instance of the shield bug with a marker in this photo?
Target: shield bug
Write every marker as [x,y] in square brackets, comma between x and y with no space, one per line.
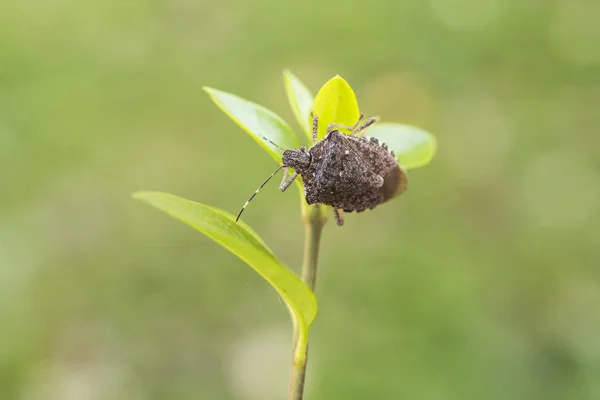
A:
[347,172]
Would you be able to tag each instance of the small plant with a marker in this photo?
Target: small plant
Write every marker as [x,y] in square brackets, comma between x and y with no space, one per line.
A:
[336,104]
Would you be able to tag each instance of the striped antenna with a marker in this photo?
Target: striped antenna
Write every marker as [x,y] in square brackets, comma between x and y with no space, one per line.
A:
[273,143]
[255,193]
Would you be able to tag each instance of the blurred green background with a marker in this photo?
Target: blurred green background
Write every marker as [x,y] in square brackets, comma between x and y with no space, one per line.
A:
[481,282]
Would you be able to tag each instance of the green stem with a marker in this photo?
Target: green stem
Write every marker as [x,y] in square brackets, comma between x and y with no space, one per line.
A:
[313,222]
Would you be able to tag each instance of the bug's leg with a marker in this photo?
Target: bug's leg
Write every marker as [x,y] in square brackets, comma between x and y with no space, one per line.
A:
[284,177]
[348,127]
[339,216]
[286,184]
[315,129]
[360,131]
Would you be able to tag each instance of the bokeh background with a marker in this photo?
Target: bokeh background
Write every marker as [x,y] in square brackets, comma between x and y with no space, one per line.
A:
[481,282]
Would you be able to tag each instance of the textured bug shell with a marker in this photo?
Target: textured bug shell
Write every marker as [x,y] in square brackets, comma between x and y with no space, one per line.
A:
[352,173]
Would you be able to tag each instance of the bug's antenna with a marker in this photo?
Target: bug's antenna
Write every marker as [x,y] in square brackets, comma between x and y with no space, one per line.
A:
[257,190]
[273,143]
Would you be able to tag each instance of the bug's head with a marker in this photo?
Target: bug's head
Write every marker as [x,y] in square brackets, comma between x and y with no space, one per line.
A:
[299,159]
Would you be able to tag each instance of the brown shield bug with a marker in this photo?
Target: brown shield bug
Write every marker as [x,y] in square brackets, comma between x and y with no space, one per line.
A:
[347,172]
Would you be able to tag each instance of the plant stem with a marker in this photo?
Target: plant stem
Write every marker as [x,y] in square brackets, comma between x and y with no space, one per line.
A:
[313,223]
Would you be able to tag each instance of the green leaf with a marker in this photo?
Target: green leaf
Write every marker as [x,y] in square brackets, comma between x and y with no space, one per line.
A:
[258,121]
[242,241]
[301,101]
[335,103]
[413,146]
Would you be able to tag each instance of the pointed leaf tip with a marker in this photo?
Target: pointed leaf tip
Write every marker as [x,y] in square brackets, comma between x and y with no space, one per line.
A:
[336,103]
[257,121]
[413,146]
[242,241]
[301,101]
